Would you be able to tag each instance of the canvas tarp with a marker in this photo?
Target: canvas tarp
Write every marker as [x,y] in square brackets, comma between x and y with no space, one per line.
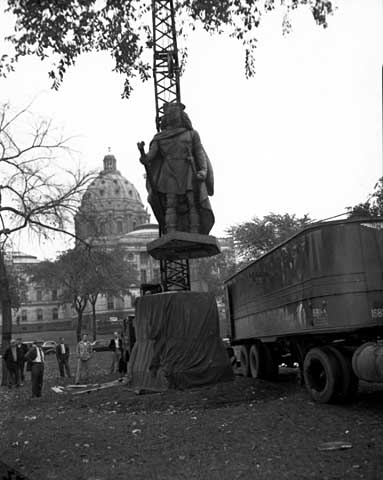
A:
[177,342]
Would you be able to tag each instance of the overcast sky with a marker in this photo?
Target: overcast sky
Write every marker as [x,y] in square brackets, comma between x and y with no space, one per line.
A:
[303,136]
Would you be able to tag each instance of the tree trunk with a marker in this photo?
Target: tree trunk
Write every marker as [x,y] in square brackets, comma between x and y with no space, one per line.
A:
[6,310]
[80,304]
[94,321]
[79,325]
[93,300]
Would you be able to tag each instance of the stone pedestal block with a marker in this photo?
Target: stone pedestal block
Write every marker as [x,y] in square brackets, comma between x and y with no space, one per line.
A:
[183,245]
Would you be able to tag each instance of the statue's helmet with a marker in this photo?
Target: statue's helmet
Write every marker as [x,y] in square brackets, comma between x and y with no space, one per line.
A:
[170,106]
[175,116]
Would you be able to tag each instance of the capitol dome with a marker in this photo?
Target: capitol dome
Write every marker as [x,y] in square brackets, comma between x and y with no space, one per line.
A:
[111,206]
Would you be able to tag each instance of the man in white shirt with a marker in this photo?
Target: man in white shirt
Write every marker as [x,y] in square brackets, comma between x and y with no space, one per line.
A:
[84,354]
[36,356]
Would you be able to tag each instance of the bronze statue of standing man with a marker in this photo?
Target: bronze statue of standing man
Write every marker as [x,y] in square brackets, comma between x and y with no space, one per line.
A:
[179,175]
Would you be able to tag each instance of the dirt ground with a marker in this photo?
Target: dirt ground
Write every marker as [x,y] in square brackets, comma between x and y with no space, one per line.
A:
[244,429]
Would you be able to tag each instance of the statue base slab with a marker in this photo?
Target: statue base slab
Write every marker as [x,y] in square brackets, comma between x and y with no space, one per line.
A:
[183,245]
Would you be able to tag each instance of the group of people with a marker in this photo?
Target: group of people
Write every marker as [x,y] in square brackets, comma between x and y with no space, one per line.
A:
[17,355]
[84,352]
[14,358]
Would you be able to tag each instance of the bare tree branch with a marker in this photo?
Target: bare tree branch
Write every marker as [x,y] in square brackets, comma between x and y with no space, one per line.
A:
[7,122]
[36,193]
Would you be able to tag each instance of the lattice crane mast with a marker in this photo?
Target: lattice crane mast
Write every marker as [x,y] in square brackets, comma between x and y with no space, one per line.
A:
[175,274]
[166,70]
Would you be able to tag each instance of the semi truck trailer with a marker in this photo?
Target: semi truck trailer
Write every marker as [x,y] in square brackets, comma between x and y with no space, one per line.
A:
[316,300]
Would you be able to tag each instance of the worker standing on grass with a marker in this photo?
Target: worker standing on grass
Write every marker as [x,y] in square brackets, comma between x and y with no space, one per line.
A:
[62,355]
[84,354]
[36,358]
[116,346]
[21,350]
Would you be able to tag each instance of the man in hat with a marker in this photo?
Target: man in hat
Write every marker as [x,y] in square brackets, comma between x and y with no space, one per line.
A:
[179,175]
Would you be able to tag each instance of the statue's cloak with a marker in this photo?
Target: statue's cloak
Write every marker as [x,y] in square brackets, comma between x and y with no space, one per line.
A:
[201,189]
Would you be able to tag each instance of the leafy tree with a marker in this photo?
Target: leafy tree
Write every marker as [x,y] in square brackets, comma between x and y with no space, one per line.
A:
[63,30]
[254,238]
[81,274]
[214,270]
[35,193]
[68,274]
[108,274]
[373,207]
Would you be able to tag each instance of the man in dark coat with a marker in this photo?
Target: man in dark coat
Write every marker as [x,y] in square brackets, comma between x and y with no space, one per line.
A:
[21,350]
[116,346]
[62,355]
[10,357]
[35,355]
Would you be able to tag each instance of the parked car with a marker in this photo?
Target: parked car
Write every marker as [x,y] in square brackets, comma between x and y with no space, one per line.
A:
[100,345]
[29,343]
[49,347]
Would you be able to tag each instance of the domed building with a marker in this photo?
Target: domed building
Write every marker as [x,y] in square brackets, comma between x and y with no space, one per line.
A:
[110,208]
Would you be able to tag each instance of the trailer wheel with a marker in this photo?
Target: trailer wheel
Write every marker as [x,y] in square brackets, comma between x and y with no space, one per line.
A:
[348,382]
[256,360]
[244,359]
[322,374]
[263,363]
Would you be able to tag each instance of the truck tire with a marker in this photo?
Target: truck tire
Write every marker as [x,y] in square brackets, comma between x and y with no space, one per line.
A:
[256,360]
[322,374]
[263,363]
[349,382]
[244,359]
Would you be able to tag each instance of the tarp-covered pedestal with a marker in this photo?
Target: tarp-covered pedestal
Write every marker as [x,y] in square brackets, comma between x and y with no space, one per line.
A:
[177,342]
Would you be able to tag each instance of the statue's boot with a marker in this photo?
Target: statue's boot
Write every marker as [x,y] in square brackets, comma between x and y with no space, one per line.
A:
[171,220]
[194,220]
